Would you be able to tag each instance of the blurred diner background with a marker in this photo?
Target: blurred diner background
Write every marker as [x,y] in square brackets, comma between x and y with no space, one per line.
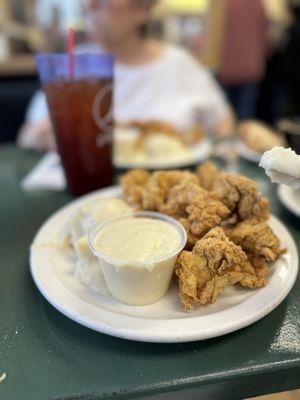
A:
[250,49]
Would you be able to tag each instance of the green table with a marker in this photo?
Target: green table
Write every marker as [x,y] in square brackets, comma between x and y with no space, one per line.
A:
[47,356]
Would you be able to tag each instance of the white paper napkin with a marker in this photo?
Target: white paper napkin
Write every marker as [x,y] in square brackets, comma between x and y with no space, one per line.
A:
[47,175]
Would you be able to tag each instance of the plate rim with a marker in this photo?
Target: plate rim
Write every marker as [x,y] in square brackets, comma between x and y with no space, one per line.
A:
[281,192]
[161,337]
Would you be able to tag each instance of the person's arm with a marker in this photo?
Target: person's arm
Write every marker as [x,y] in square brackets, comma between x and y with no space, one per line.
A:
[37,133]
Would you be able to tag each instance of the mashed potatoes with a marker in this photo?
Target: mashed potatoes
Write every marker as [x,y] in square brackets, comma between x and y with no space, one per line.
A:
[87,268]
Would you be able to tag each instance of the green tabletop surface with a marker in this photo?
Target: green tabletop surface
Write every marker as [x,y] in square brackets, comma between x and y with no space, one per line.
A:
[47,356]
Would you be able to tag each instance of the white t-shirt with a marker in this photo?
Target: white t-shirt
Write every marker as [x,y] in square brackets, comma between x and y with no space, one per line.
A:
[175,88]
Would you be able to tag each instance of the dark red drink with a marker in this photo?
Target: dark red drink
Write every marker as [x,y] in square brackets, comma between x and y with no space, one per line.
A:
[81,116]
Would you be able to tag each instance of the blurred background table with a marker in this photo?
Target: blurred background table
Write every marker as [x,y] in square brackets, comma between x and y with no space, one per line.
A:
[47,356]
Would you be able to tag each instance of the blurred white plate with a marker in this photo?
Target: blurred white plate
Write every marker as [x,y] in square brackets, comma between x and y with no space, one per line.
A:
[246,153]
[200,152]
[164,321]
[290,198]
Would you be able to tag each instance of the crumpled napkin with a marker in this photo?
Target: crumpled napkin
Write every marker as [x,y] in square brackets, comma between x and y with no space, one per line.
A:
[46,175]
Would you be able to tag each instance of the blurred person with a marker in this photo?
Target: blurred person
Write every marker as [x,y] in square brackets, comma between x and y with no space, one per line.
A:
[280,96]
[272,93]
[240,36]
[152,80]
[291,62]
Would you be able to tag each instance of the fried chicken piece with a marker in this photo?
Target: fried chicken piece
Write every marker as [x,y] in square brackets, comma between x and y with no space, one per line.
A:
[255,271]
[256,238]
[197,209]
[133,184]
[241,195]
[160,185]
[191,239]
[206,212]
[261,210]
[207,174]
[194,135]
[211,267]
[180,197]
[193,275]
[152,127]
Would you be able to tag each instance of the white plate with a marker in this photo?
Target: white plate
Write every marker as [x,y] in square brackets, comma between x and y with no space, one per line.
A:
[200,153]
[290,198]
[164,321]
[246,153]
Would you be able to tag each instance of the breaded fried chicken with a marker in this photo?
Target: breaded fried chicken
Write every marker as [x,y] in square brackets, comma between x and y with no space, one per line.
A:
[160,185]
[197,209]
[179,198]
[211,267]
[207,174]
[206,212]
[242,197]
[191,239]
[133,184]
[226,222]
[257,239]
[255,271]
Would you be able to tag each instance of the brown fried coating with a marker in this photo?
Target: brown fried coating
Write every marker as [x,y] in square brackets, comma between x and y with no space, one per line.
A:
[133,185]
[257,239]
[180,197]
[205,213]
[207,174]
[229,238]
[194,135]
[206,271]
[150,127]
[197,209]
[191,239]
[242,196]
[159,186]
[255,271]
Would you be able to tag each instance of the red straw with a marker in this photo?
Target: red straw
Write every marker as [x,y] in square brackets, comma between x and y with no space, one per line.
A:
[71,45]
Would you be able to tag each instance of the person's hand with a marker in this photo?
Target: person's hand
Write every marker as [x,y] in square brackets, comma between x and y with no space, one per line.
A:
[37,136]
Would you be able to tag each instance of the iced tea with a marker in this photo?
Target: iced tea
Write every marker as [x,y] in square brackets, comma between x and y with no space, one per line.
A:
[81,116]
